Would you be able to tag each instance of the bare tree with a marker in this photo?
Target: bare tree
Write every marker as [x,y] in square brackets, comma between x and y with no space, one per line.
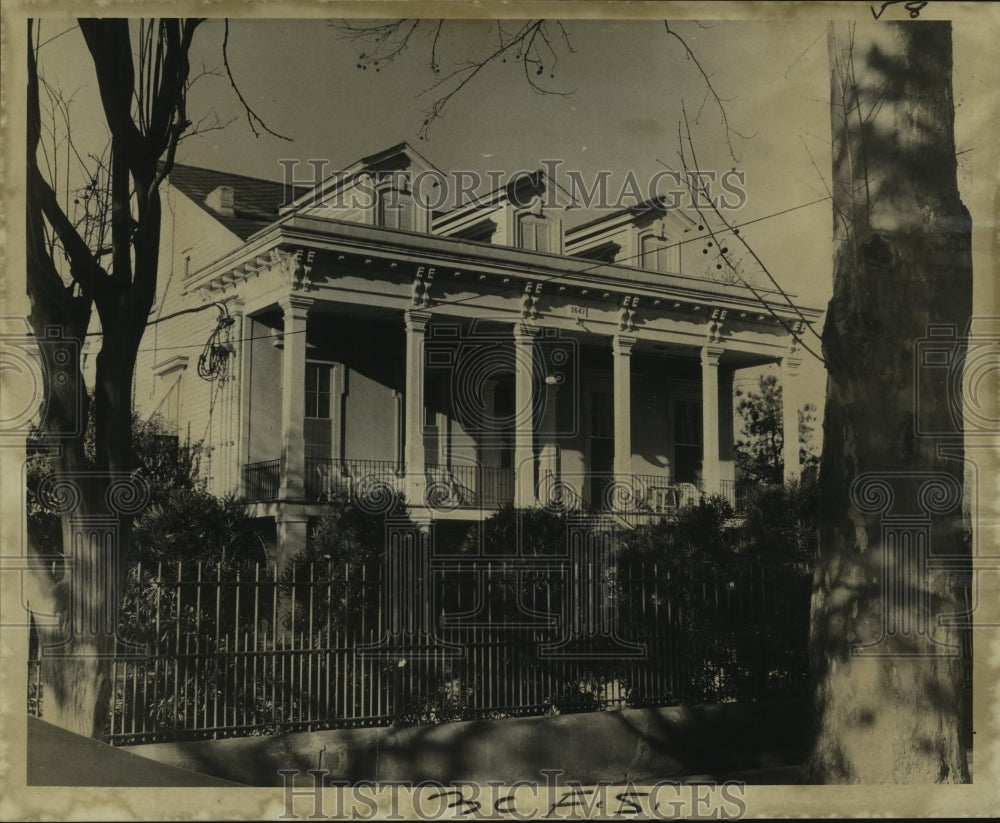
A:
[103,258]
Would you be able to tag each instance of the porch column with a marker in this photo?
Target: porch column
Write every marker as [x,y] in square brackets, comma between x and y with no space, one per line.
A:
[414,455]
[548,458]
[337,413]
[293,533]
[244,347]
[710,469]
[790,415]
[622,355]
[524,415]
[293,397]
[488,444]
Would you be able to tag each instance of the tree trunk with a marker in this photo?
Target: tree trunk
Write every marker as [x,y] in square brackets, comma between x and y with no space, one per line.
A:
[76,685]
[97,501]
[886,681]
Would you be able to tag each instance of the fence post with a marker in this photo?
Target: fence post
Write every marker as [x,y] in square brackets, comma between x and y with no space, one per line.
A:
[398,698]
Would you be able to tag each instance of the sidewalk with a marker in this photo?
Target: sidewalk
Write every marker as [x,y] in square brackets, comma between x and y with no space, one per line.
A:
[60,758]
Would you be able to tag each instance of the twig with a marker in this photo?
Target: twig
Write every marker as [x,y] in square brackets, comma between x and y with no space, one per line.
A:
[723,254]
[718,100]
[252,116]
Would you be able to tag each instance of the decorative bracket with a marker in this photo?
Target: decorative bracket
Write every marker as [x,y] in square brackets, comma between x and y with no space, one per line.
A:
[297,266]
[796,328]
[529,300]
[626,315]
[421,290]
[715,325]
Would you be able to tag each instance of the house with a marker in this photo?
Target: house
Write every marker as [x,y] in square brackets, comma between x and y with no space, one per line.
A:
[354,335]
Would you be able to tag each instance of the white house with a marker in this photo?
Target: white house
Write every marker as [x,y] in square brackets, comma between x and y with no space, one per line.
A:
[468,358]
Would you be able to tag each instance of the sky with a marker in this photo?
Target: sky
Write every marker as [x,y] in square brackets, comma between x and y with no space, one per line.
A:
[620,92]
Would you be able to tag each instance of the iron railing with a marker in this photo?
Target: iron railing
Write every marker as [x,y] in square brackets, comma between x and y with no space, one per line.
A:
[638,498]
[225,653]
[466,487]
[324,476]
[250,652]
[262,480]
[740,493]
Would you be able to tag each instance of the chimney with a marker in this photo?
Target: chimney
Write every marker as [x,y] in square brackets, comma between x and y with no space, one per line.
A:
[221,201]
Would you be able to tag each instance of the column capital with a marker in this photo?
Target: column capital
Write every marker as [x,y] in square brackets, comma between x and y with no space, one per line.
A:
[523,333]
[295,304]
[790,365]
[710,355]
[416,320]
[621,345]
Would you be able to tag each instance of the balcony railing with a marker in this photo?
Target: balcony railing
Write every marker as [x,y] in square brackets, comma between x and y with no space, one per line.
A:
[262,479]
[324,476]
[460,487]
[485,488]
[659,494]
[464,487]
[740,493]
[646,495]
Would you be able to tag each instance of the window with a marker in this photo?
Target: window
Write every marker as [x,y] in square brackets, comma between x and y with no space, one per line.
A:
[534,233]
[395,210]
[318,391]
[660,255]
[687,441]
[687,423]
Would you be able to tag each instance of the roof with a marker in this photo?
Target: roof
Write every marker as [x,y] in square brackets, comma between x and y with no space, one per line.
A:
[255,202]
[654,205]
[395,158]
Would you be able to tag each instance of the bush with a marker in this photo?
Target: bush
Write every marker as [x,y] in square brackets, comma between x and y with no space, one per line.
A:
[701,537]
[190,524]
[165,462]
[737,591]
[781,525]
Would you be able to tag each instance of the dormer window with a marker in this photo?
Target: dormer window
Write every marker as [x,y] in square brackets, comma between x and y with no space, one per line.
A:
[658,254]
[534,233]
[395,209]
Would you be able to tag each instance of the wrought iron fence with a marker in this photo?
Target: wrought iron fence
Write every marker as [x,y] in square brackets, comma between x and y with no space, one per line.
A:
[254,652]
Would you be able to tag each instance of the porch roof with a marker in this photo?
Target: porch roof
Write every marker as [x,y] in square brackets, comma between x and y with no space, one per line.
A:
[409,250]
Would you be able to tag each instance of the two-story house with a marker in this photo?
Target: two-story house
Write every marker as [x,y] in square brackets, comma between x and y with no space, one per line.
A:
[466,357]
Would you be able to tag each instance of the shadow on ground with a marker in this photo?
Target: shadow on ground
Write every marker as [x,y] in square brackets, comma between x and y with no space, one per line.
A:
[767,739]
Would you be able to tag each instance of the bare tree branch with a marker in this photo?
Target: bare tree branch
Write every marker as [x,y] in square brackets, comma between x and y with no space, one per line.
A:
[252,117]
[531,45]
[697,192]
[719,102]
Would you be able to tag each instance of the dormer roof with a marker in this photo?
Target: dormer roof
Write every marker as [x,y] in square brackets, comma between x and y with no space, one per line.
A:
[401,157]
